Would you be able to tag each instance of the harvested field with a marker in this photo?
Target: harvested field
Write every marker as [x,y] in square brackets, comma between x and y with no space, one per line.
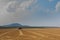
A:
[30,34]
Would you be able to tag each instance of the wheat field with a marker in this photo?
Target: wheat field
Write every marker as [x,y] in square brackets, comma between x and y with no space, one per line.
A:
[30,34]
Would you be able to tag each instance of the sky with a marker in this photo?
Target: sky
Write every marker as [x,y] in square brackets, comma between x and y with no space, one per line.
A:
[30,12]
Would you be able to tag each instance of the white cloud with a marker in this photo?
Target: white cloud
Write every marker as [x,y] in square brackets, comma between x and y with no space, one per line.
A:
[14,10]
[58,7]
[26,4]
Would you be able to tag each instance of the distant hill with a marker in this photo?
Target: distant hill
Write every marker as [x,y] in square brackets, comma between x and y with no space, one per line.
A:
[17,25]
[13,25]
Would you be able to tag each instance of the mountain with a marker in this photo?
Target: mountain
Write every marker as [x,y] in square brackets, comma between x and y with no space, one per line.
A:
[13,25]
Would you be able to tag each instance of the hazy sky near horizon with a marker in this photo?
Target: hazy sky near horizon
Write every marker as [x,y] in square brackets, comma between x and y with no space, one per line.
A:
[30,12]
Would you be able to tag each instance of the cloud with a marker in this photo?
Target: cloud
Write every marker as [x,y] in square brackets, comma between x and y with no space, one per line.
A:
[58,7]
[14,10]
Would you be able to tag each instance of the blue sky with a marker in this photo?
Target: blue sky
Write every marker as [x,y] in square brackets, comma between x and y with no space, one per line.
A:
[43,16]
[30,12]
